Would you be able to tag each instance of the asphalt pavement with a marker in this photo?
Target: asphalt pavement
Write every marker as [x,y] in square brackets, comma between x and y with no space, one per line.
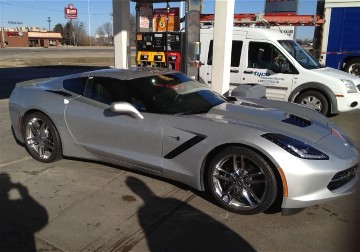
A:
[76,205]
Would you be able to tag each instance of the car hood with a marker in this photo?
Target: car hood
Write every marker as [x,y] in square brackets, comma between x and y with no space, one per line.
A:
[274,116]
[337,74]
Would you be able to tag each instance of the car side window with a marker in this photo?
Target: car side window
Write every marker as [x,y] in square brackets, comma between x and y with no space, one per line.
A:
[108,90]
[235,53]
[267,56]
[76,85]
[98,90]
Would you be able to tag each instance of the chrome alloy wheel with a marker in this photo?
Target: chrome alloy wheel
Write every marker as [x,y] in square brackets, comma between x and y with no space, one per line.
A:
[240,182]
[39,138]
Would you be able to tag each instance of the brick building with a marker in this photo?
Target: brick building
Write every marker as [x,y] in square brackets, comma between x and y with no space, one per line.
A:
[26,38]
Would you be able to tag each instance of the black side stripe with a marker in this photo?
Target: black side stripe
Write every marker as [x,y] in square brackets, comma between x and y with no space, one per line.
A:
[183,147]
[62,93]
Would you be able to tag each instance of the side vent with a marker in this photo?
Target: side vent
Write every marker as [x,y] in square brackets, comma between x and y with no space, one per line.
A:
[297,121]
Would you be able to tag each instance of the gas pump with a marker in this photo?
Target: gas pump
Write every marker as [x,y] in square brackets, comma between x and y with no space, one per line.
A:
[174,50]
[159,59]
[160,43]
[174,60]
[145,59]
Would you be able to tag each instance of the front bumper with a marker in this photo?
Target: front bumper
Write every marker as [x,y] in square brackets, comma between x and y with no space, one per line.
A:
[348,102]
[311,182]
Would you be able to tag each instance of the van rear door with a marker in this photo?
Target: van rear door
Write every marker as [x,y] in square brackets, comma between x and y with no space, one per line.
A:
[206,68]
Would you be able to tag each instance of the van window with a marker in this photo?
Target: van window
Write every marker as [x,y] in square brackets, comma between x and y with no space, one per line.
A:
[235,53]
[267,56]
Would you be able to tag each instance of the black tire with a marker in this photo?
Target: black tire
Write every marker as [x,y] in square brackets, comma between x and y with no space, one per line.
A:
[353,67]
[314,100]
[241,181]
[42,140]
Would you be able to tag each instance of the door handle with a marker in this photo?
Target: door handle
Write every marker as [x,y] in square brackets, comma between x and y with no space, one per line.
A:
[234,71]
[248,72]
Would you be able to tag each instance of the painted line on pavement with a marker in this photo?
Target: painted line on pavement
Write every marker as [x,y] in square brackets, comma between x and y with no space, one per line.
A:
[15,161]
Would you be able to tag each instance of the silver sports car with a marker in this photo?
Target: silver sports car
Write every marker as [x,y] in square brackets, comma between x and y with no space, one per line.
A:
[248,153]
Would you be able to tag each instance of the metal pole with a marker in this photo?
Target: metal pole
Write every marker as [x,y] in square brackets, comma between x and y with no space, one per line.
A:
[49,21]
[2,37]
[89,21]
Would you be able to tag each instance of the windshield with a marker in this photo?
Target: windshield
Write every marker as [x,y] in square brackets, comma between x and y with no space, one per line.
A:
[304,58]
[176,93]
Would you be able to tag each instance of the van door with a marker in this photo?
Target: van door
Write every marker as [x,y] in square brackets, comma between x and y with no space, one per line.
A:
[268,66]
[235,74]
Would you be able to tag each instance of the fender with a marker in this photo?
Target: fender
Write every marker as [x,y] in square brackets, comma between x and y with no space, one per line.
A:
[317,86]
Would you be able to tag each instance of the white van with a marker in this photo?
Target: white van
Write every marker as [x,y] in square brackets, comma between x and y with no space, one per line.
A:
[290,73]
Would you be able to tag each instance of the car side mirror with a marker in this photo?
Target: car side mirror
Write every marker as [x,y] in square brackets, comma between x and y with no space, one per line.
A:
[126,108]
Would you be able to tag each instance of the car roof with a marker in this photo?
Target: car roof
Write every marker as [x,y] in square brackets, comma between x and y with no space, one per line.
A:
[128,74]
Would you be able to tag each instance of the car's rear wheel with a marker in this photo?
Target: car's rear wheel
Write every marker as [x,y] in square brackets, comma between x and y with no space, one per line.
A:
[42,140]
[314,100]
[242,181]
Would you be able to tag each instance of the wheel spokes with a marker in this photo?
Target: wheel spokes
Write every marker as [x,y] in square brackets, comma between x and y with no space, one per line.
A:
[39,138]
[253,178]
[239,181]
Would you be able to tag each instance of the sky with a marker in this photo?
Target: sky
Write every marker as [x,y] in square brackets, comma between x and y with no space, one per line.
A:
[93,13]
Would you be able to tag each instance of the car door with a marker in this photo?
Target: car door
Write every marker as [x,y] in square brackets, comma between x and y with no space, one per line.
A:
[98,130]
[235,74]
[268,66]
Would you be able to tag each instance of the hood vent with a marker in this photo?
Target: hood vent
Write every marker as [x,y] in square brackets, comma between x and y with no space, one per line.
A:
[297,121]
[252,105]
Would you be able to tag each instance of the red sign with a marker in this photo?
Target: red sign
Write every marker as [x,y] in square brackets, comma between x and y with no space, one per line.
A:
[70,12]
[163,12]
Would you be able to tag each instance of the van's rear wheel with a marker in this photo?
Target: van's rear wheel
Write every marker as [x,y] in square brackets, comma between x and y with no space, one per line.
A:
[314,100]
[353,67]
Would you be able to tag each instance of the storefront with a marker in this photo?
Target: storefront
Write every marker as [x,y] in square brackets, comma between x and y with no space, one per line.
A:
[29,39]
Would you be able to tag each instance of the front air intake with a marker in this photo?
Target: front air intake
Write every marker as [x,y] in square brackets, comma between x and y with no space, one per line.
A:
[342,178]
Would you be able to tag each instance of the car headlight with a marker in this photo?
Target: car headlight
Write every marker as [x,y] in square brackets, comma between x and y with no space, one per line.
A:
[295,147]
[350,86]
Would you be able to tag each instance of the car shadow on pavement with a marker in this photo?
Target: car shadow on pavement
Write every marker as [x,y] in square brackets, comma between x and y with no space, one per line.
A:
[184,228]
[20,216]
[12,75]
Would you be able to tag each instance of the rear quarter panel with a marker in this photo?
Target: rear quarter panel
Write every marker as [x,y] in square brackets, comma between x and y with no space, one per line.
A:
[24,100]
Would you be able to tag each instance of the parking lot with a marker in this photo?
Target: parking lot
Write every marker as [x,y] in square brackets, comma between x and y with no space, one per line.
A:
[76,205]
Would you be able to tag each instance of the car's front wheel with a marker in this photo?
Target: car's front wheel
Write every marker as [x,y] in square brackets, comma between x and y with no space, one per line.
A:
[242,181]
[42,140]
[314,100]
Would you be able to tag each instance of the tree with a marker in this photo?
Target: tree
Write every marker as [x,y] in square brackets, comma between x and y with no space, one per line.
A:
[78,33]
[60,29]
[104,34]
[72,33]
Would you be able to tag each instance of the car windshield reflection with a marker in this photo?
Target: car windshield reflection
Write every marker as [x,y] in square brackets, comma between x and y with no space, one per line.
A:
[176,93]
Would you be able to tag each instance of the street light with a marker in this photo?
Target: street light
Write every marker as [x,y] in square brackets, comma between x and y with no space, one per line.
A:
[49,21]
